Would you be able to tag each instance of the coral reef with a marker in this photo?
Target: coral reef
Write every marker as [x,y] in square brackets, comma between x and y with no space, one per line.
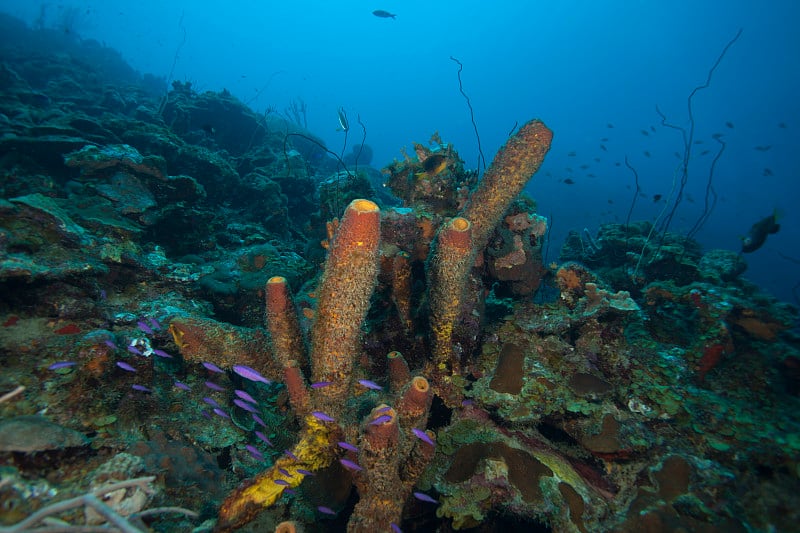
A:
[201,309]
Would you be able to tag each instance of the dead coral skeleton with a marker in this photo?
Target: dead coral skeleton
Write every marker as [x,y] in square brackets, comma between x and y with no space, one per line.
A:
[42,520]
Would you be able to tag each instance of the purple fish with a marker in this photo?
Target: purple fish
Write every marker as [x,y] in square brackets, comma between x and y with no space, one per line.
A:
[213,386]
[211,401]
[305,472]
[181,385]
[319,415]
[220,412]
[162,353]
[350,465]
[285,472]
[244,396]
[326,510]
[421,496]
[282,482]
[289,492]
[369,384]
[144,327]
[264,438]
[255,452]
[385,409]
[103,294]
[258,420]
[125,366]
[290,455]
[244,405]
[381,420]
[140,388]
[395,528]
[248,373]
[347,446]
[110,344]
[61,364]
[424,437]
[155,324]
[134,350]
[212,367]
[320,384]
[205,414]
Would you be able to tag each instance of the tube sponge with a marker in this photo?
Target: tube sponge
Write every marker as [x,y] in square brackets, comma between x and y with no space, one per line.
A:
[512,167]
[448,269]
[347,283]
[282,322]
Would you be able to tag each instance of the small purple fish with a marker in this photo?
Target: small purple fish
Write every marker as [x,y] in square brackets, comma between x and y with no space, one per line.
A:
[285,472]
[205,414]
[347,446]
[244,405]
[290,455]
[258,420]
[61,364]
[321,384]
[212,367]
[264,438]
[144,327]
[103,294]
[369,384]
[244,396]
[213,386]
[289,492]
[248,373]
[350,465]
[383,419]
[424,437]
[125,366]
[181,385]
[134,350]
[326,510]
[220,412]
[211,401]
[282,482]
[421,496]
[395,528]
[255,452]
[155,324]
[319,415]
[385,409]
[162,353]
[110,344]
[140,388]
[305,472]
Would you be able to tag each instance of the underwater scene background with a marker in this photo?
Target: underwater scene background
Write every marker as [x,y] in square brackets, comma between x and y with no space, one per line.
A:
[317,266]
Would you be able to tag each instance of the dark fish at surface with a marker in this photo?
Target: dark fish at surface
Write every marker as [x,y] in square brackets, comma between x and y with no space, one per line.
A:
[383,14]
[645,133]
[656,197]
[763,148]
[758,233]
[603,148]
[729,124]
[569,181]
[646,153]
[767,172]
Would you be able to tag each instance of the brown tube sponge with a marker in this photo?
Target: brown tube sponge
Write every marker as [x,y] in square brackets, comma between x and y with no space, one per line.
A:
[512,167]
[351,272]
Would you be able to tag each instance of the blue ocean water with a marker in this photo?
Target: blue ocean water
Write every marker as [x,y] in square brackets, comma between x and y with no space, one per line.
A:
[580,66]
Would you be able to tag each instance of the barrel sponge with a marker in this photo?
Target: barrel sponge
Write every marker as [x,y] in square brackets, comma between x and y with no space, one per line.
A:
[512,167]
[344,292]
[448,269]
